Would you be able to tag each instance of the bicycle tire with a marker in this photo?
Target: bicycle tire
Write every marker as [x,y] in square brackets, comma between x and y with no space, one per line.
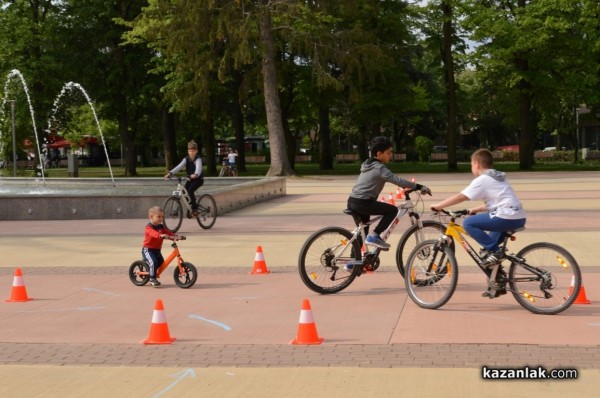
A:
[562,284]
[135,277]
[173,214]
[188,278]
[433,274]
[414,235]
[207,211]
[222,172]
[314,262]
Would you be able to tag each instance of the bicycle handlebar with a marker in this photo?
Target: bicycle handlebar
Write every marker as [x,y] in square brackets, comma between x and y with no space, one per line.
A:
[179,237]
[453,213]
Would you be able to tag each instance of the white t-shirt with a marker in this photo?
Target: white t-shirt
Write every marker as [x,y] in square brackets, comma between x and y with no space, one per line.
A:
[498,195]
[231,157]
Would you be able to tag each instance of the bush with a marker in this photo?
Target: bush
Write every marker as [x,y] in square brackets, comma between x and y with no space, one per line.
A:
[424,147]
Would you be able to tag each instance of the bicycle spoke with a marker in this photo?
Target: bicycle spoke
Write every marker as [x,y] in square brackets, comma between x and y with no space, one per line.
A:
[548,282]
[322,260]
[431,275]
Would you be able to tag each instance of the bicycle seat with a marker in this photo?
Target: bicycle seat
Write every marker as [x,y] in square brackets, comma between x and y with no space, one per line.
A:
[357,217]
[514,231]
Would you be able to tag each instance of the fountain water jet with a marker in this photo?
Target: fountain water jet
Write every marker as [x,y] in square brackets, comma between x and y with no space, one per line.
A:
[18,74]
[73,85]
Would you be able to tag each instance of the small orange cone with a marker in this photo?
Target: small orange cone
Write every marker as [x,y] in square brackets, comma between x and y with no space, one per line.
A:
[382,199]
[581,297]
[399,193]
[307,330]
[391,199]
[19,292]
[159,330]
[260,266]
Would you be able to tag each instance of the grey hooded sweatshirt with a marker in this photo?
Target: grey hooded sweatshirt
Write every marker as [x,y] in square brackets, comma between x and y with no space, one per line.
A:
[372,178]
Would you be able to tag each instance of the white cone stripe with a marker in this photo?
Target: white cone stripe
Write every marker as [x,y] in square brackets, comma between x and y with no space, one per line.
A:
[306,317]
[159,316]
[573,281]
[259,256]
[18,281]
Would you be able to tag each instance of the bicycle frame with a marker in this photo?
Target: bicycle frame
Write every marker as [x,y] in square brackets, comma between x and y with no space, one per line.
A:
[174,254]
[182,192]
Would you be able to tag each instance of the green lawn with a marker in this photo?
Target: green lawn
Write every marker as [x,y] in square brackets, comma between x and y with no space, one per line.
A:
[402,168]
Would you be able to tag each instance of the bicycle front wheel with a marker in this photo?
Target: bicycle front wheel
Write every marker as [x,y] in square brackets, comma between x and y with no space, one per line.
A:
[432,274]
[207,211]
[173,214]
[189,276]
[547,281]
[413,236]
[322,259]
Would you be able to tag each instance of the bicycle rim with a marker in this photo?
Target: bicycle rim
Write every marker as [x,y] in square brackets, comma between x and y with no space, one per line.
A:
[173,214]
[556,289]
[322,259]
[432,274]
[207,211]
[187,278]
[413,236]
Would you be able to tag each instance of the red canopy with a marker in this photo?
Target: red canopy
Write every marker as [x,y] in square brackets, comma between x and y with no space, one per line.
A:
[60,144]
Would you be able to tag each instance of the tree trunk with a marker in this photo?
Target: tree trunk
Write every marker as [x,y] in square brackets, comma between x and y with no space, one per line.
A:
[451,105]
[279,161]
[526,138]
[325,151]
[170,145]
[237,120]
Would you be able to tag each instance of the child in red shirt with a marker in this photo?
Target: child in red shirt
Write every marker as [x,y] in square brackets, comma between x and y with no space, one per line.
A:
[155,233]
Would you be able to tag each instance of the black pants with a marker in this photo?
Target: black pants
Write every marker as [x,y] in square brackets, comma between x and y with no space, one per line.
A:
[192,186]
[371,207]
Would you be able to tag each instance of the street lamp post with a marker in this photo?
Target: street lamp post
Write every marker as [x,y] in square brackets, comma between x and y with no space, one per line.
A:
[14,138]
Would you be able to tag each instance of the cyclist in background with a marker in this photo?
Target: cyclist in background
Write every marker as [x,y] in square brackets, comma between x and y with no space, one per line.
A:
[231,157]
[368,186]
[193,169]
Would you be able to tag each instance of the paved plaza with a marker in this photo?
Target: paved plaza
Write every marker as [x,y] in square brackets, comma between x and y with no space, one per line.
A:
[81,332]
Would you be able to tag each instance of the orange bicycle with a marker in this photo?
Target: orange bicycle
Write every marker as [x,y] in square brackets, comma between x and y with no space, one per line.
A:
[185,274]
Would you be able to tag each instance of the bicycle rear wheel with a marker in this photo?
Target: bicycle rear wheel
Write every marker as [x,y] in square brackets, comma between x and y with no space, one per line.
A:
[187,278]
[139,273]
[207,211]
[322,259]
[432,274]
[548,281]
[413,236]
[173,214]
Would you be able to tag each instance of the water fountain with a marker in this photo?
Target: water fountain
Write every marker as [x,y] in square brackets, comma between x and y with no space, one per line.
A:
[70,86]
[16,73]
[93,198]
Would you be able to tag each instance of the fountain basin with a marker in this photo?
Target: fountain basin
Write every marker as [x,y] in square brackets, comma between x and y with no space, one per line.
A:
[97,198]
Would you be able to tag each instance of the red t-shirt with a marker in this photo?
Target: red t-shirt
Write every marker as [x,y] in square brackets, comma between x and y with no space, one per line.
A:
[152,239]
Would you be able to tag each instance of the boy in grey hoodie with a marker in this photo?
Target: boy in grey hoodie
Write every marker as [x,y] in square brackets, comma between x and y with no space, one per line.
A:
[370,183]
[502,211]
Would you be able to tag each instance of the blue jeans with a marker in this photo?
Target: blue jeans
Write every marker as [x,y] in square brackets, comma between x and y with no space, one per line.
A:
[478,226]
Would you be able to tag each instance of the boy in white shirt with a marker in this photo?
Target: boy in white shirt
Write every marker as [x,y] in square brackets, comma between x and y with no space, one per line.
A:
[501,211]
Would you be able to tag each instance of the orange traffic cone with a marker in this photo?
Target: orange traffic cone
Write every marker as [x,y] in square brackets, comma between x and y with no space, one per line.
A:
[19,292]
[399,193]
[581,297]
[260,266]
[382,199]
[307,330]
[391,199]
[159,330]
